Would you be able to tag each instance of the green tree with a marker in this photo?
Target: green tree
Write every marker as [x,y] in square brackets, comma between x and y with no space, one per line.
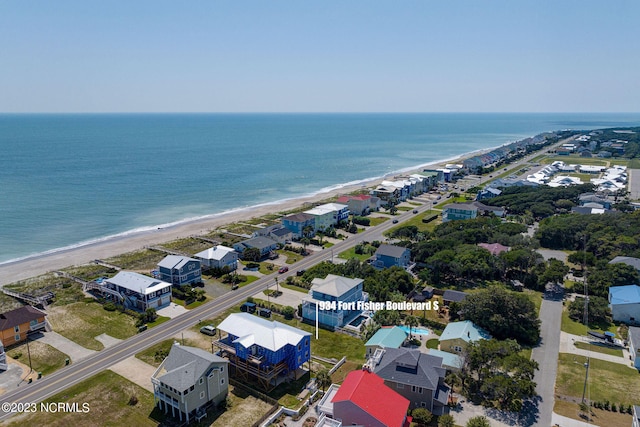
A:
[504,314]
[288,312]
[323,379]
[251,254]
[479,421]
[411,322]
[446,420]
[421,416]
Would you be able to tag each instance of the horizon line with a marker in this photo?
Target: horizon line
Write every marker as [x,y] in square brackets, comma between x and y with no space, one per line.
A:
[313,112]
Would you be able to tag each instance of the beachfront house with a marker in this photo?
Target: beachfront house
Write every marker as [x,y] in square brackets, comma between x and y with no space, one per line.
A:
[457,335]
[179,270]
[385,337]
[268,352]
[219,257]
[137,291]
[189,380]
[624,302]
[276,232]
[363,399]
[387,256]
[417,376]
[16,324]
[343,292]
[299,224]
[361,204]
[264,244]
[328,215]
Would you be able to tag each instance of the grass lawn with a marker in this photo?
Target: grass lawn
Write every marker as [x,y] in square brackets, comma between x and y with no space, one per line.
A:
[90,271]
[159,321]
[433,343]
[416,220]
[293,288]
[82,321]
[535,297]
[44,358]
[376,220]
[599,348]
[571,326]
[67,291]
[107,395]
[351,253]
[526,352]
[194,304]
[600,417]
[341,373]
[404,208]
[607,381]
[292,257]
[578,160]
[245,410]
[330,344]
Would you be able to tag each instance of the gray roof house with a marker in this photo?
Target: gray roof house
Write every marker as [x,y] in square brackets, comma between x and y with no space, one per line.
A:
[450,296]
[179,270]
[264,244]
[189,380]
[389,256]
[633,262]
[417,376]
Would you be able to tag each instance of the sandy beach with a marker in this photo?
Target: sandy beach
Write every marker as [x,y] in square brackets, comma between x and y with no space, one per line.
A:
[40,264]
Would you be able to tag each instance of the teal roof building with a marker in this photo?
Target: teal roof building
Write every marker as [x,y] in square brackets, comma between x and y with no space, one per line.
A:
[386,337]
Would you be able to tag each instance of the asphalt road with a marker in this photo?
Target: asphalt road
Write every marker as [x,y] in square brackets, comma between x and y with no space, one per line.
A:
[546,354]
[77,372]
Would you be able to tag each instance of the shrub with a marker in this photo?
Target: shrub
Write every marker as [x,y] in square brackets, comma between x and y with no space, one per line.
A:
[16,355]
[109,306]
[133,400]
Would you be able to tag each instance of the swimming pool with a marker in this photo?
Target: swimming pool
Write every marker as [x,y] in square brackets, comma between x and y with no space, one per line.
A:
[357,321]
[417,331]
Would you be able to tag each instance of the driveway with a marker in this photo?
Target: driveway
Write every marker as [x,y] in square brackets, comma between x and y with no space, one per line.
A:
[288,297]
[547,254]
[546,354]
[75,351]
[567,346]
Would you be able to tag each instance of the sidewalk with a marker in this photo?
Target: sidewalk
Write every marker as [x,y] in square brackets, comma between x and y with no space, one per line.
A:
[568,422]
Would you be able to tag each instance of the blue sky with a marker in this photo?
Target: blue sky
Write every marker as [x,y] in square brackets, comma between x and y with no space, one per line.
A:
[325,56]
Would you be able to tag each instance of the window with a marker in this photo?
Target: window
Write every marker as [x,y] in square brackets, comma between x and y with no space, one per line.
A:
[416,389]
[221,369]
[202,395]
[17,337]
[192,388]
[221,381]
[398,385]
[423,404]
[16,328]
[34,322]
[201,381]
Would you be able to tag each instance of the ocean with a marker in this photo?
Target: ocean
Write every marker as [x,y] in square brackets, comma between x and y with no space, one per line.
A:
[69,179]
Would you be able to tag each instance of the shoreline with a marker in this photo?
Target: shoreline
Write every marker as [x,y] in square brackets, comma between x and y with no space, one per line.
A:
[80,253]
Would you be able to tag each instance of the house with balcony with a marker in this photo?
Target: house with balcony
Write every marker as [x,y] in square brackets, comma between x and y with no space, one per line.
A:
[363,399]
[343,292]
[417,376]
[298,223]
[387,256]
[179,270]
[263,351]
[219,256]
[188,381]
[264,244]
[457,335]
[462,211]
[328,215]
[16,324]
[276,232]
[359,205]
[137,291]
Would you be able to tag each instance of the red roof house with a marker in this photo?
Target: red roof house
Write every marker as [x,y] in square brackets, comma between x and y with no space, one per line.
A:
[495,248]
[364,399]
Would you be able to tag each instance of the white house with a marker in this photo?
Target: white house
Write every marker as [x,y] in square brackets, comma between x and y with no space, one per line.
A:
[328,215]
[219,257]
[139,291]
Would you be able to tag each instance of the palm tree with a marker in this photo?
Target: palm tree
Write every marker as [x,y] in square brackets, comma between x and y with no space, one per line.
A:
[411,322]
[323,379]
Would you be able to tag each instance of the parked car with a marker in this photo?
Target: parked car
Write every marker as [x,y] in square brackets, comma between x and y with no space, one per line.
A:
[283,270]
[208,330]
[300,272]
[395,221]
[415,211]
[264,312]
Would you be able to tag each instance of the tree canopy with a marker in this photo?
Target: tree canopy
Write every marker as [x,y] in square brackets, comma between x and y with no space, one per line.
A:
[504,314]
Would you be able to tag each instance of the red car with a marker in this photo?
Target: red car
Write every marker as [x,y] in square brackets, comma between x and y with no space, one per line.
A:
[283,270]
